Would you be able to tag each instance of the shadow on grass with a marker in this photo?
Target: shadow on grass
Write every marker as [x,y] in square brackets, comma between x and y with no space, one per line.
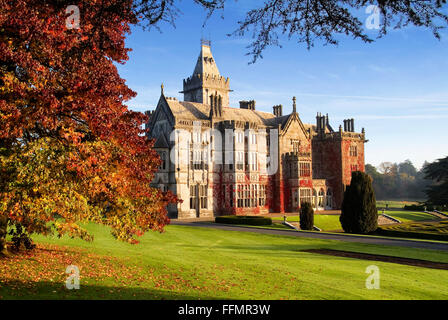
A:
[45,290]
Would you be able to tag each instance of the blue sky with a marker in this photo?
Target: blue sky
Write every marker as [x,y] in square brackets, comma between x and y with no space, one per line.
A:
[396,88]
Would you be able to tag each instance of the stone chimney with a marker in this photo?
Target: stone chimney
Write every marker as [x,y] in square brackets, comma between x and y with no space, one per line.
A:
[277,110]
[321,122]
[349,125]
[250,105]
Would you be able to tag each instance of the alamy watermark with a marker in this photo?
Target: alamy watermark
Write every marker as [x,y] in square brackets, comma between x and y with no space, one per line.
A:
[73,20]
[72,281]
[229,147]
[373,20]
[373,280]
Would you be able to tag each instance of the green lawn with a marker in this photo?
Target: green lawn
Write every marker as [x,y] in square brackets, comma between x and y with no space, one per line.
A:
[437,230]
[326,222]
[394,203]
[330,222]
[409,216]
[201,263]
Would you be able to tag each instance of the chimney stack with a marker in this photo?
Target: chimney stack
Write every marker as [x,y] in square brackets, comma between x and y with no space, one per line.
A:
[277,110]
[349,125]
[250,105]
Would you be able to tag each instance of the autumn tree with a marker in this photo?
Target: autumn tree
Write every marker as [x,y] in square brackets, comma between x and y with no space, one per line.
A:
[70,149]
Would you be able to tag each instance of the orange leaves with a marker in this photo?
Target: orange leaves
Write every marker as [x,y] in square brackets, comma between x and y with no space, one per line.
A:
[77,151]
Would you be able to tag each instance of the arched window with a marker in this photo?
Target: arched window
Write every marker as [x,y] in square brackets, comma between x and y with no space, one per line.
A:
[329,202]
[163,158]
[321,198]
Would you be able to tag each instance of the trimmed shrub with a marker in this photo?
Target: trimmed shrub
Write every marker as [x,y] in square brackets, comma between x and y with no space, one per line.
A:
[306,216]
[247,220]
[359,213]
[422,207]
[414,207]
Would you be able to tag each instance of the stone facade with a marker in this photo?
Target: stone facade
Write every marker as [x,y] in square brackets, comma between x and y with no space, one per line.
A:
[222,160]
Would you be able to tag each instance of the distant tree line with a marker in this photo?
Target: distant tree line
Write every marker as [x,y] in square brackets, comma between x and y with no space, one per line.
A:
[399,180]
[404,181]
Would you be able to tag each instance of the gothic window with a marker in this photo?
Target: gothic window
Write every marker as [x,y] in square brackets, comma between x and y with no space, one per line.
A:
[239,137]
[197,160]
[203,196]
[295,145]
[354,167]
[240,160]
[240,196]
[163,158]
[321,198]
[262,195]
[305,195]
[253,138]
[329,198]
[193,197]
[354,151]
[253,159]
[305,169]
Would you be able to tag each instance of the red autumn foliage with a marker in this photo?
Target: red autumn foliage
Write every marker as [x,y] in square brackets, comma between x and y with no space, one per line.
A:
[69,146]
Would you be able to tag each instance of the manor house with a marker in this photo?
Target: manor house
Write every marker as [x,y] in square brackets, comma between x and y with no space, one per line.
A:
[238,160]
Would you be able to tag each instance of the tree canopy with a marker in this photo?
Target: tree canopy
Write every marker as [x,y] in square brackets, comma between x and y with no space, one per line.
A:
[398,181]
[438,172]
[70,149]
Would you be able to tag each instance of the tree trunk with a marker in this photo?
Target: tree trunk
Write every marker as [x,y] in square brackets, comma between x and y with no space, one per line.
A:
[3,227]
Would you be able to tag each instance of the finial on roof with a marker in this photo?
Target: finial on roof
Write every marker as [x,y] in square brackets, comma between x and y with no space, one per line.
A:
[294,104]
[161,88]
[205,42]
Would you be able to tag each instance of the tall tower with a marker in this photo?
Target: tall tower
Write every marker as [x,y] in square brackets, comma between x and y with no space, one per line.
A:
[206,85]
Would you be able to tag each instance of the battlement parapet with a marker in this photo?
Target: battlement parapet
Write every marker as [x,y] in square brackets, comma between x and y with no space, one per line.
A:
[206,80]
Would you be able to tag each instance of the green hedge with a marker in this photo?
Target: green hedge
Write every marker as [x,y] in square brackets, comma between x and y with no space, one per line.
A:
[414,207]
[429,207]
[248,220]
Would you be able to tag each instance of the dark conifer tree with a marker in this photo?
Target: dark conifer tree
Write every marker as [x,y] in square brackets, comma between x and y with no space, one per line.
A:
[359,213]
[306,216]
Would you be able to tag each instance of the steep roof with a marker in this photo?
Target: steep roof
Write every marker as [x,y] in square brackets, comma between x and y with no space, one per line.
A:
[161,142]
[198,111]
[206,63]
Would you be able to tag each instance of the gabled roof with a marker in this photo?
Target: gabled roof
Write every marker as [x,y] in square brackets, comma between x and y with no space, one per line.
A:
[184,110]
[295,117]
[161,142]
[198,111]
